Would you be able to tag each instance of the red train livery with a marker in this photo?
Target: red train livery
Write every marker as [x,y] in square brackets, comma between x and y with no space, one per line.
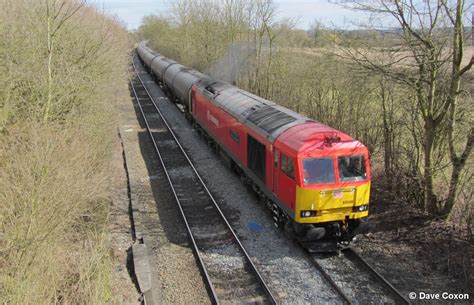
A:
[314,178]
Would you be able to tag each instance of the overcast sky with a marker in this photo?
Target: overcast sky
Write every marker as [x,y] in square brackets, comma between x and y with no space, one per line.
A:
[305,11]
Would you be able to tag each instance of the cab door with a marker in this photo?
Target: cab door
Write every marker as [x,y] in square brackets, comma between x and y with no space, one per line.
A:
[286,181]
[275,170]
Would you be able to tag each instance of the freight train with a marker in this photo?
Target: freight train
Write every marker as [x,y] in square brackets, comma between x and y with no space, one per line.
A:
[315,179]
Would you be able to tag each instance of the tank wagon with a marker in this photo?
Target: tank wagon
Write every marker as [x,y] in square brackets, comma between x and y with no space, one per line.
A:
[315,179]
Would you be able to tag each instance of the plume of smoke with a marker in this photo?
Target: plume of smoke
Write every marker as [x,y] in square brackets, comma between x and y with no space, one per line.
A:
[235,62]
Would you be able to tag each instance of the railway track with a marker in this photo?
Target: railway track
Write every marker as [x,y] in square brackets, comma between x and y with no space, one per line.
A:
[230,274]
[387,288]
[344,297]
[358,260]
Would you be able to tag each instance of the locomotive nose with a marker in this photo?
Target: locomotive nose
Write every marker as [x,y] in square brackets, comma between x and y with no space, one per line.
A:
[337,199]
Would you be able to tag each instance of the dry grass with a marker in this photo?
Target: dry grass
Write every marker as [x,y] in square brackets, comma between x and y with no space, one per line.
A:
[342,51]
[54,205]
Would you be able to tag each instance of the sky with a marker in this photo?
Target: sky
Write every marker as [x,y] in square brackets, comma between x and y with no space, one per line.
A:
[305,12]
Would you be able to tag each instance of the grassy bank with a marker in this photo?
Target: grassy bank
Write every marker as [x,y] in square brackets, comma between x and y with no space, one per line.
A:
[63,67]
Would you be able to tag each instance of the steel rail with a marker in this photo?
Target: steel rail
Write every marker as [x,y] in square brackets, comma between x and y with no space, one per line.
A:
[350,253]
[333,284]
[241,247]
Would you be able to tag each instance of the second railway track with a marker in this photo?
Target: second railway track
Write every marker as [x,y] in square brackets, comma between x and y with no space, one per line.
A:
[230,273]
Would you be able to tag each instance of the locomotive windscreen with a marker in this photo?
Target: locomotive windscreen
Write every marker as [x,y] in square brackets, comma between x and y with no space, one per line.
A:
[351,168]
[318,170]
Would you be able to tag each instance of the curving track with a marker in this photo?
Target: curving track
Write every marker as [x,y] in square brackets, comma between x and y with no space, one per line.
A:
[230,273]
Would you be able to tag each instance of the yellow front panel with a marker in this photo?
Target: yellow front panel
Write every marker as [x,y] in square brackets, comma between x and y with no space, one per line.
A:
[331,204]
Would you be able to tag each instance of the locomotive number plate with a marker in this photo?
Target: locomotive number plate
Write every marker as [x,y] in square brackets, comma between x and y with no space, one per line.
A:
[337,194]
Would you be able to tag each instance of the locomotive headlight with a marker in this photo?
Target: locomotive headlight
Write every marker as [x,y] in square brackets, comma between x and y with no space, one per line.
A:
[361,208]
[308,213]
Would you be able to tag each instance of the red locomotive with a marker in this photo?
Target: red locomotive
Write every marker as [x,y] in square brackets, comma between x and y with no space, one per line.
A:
[314,178]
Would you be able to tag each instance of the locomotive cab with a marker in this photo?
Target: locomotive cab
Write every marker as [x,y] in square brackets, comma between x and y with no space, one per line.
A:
[331,181]
[333,186]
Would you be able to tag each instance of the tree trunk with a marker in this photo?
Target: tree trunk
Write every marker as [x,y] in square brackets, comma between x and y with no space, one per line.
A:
[430,203]
[458,166]
[387,135]
[50,73]
[453,186]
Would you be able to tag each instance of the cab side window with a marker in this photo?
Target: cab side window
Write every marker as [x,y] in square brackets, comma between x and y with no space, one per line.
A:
[287,166]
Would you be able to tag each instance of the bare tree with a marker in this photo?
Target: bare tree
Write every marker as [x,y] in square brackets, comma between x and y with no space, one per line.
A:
[426,57]
[57,13]
[261,16]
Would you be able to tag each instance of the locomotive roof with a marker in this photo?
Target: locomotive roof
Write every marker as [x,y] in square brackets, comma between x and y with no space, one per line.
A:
[297,132]
[266,117]
[314,136]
